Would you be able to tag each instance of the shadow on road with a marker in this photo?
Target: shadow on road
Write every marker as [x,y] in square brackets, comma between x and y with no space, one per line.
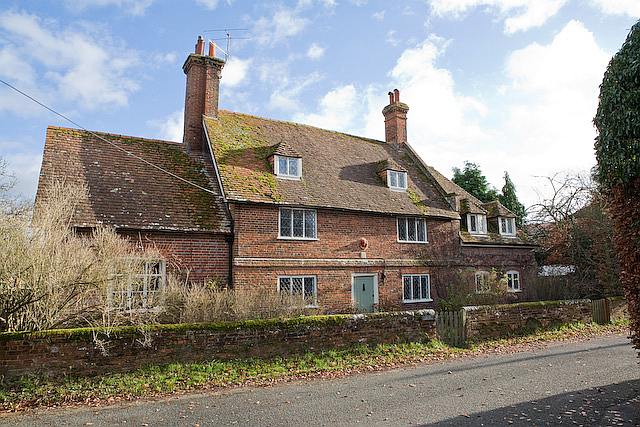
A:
[615,404]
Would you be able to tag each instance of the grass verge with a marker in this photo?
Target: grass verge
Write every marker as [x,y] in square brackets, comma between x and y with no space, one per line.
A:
[181,377]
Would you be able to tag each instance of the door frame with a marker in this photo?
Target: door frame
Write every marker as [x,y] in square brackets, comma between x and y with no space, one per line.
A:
[375,285]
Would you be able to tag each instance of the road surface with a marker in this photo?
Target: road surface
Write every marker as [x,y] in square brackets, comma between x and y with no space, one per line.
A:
[595,382]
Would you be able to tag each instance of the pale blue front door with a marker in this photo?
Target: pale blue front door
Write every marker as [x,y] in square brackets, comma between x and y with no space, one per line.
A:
[364,293]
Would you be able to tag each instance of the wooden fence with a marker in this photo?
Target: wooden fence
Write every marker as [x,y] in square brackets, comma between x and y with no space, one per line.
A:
[451,327]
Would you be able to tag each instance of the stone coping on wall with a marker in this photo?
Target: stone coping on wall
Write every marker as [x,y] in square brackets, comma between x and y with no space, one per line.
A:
[526,304]
[259,324]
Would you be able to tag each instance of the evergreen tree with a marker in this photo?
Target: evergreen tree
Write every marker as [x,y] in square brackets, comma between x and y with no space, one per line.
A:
[509,199]
[473,181]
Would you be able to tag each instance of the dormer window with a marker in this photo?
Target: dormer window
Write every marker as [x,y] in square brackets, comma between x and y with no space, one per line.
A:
[288,167]
[477,223]
[397,180]
[507,226]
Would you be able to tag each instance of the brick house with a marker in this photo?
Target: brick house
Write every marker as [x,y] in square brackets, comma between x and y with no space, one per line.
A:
[340,219]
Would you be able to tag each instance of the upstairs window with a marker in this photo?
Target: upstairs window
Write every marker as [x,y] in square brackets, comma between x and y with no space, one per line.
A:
[397,180]
[477,223]
[513,281]
[298,224]
[412,230]
[507,226]
[288,167]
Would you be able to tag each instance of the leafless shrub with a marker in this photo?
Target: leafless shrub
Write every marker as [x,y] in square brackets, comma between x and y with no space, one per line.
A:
[51,276]
[192,303]
[463,290]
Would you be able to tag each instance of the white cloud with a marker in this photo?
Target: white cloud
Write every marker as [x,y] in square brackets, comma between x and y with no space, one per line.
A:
[132,7]
[338,109]
[391,38]
[24,165]
[551,99]
[315,51]
[235,72]
[537,122]
[211,4]
[619,7]
[283,24]
[518,15]
[285,97]
[169,128]
[73,65]
[379,16]
[165,58]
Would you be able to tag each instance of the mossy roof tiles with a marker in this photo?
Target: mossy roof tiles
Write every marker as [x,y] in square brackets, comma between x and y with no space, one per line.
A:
[339,170]
[124,192]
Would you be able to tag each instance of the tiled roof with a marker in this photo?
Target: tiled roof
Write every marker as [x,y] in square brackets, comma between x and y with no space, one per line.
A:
[339,170]
[285,149]
[495,239]
[389,164]
[124,192]
[496,208]
[468,203]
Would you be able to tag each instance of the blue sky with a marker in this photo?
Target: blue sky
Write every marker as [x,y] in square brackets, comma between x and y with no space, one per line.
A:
[509,84]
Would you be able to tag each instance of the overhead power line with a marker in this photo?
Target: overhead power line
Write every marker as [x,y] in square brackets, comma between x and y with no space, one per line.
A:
[129,153]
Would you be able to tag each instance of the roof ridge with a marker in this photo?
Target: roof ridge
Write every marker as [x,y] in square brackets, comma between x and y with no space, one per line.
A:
[88,131]
[290,122]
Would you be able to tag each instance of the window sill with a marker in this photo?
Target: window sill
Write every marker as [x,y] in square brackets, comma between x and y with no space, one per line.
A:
[475,233]
[414,242]
[414,301]
[299,239]
[398,189]
[290,178]
[514,291]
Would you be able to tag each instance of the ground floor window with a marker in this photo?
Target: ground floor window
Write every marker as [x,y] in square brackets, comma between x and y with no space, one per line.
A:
[302,286]
[416,288]
[513,280]
[140,291]
[482,281]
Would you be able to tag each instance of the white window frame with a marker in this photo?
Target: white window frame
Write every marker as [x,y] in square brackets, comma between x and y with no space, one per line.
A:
[314,304]
[304,224]
[397,174]
[286,174]
[481,278]
[417,220]
[507,222]
[414,300]
[513,276]
[127,296]
[481,220]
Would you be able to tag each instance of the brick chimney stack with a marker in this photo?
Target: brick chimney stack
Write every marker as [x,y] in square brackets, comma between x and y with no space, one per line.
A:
[201,99]
[395,119]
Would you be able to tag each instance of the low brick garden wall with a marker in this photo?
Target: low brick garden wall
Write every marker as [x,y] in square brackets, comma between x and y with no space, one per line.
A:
[494,321]
[73,352]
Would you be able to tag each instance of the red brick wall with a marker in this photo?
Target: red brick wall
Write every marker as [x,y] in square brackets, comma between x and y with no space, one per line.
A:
[256,228]
[201,256]
[504,259]
[58,354]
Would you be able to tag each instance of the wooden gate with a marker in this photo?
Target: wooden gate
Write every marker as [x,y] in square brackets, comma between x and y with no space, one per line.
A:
[451,327]
[601,311]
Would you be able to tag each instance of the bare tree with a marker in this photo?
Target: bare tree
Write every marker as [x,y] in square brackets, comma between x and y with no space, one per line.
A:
[572,227]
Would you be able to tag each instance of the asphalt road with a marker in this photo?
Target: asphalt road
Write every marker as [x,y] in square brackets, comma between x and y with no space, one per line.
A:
[594,382]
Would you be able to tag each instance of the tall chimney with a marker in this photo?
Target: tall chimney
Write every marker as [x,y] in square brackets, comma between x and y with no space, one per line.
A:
[395,119]
[201,99]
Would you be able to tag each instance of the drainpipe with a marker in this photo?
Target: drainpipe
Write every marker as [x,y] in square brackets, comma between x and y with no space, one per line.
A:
[229,239]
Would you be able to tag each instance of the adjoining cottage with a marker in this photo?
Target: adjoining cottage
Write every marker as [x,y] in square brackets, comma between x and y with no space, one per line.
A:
[338,219]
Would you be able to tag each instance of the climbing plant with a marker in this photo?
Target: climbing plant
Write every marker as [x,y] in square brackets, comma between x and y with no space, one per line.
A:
[618,153]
